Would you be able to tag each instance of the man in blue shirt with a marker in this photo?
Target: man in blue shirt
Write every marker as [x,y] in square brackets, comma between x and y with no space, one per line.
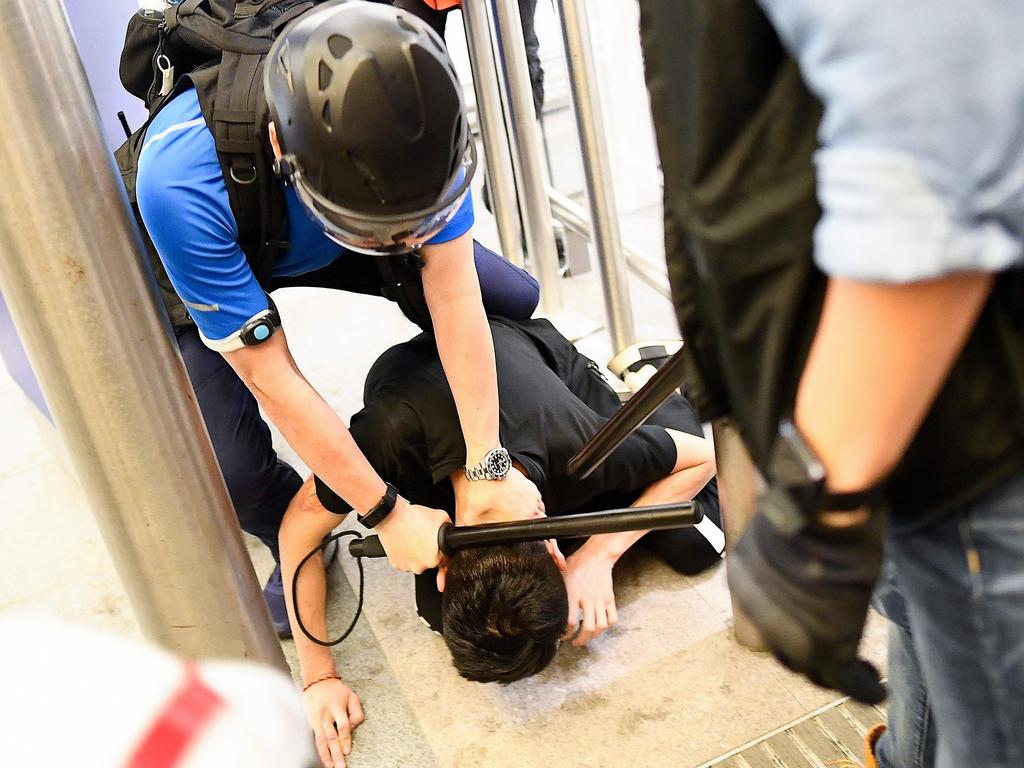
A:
[367,124]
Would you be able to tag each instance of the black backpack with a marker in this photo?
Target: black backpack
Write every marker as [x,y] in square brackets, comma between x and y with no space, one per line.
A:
[218,47]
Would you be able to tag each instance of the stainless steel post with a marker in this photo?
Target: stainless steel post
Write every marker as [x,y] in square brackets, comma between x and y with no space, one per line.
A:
[738,490]
[596,172]
[527,146]
[575,218]
[73,273]
[500,173]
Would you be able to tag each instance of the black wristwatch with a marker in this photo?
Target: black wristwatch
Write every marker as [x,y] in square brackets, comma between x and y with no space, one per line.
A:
[379,513]
[259,329]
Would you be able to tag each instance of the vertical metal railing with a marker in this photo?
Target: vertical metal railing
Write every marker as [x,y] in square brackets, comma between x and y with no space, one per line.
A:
[526,146]
[597,173]
[739,485]
[83,300]
[491,121]
[575,219]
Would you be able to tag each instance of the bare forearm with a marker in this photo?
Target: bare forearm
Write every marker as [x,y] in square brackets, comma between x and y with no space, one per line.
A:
[878,360]
[312,428]
[695,466]
[305,524]
[464,342]
[314,660]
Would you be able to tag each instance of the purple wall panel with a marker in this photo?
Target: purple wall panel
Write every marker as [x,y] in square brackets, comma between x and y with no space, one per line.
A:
[16,361]
[99,31]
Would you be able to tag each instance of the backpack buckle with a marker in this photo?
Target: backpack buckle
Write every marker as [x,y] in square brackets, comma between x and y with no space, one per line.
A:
[249,176]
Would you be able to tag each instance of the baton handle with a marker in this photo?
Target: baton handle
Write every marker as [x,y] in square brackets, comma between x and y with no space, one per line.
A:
[657,517]
[368,546]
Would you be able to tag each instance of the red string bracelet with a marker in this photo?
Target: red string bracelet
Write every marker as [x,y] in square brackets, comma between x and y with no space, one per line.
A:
[328,676]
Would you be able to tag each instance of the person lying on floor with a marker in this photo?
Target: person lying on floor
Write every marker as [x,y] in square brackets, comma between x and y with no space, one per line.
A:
[502,610]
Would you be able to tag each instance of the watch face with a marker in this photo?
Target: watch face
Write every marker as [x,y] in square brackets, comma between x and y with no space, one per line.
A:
[498,463]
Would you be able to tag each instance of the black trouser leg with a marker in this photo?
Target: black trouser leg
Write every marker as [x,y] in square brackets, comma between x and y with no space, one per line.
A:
[260,484]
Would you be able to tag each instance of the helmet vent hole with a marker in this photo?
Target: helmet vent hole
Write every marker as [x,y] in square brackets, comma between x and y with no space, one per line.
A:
[339,45]
[404,23]
[325,76]
[284,70]
[458,151]
[438,45]
[325,115]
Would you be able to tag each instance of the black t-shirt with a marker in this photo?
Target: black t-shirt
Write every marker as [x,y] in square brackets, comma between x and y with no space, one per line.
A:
[553,400]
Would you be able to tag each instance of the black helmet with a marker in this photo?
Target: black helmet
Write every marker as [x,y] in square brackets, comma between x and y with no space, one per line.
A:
[373,133]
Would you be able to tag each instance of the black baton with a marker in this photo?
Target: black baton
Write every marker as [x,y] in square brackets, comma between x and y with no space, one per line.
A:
[450,538]
[628,418]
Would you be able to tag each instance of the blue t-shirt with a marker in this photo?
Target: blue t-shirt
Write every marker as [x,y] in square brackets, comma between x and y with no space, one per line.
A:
[184,201]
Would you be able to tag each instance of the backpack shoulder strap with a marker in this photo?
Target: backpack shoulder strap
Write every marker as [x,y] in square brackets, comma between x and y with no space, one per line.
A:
[231,99]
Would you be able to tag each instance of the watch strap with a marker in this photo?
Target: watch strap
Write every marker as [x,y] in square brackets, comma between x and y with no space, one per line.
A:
[376,515]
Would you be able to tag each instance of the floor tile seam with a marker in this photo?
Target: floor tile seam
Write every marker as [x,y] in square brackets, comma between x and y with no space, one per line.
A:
[367,615]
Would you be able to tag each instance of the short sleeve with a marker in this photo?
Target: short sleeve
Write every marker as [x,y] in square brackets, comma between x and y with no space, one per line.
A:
[460,224]
[389,435]
[184,203]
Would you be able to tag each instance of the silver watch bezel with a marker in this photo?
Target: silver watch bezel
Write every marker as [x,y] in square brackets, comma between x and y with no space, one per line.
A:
[495,465]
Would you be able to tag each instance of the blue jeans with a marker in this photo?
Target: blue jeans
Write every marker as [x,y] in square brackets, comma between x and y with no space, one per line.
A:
[954,589]
[259,483]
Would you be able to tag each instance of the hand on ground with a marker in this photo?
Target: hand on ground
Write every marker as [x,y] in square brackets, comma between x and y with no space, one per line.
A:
[334,712]
[588,583]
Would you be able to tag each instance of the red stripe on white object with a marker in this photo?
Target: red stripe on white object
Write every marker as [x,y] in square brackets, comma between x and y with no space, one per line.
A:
[176,727]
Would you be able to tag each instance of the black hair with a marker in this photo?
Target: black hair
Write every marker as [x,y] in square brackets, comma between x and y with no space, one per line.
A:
[504,609]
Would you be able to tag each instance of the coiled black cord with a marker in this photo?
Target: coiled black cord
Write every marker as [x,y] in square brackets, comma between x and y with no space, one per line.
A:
[295,592]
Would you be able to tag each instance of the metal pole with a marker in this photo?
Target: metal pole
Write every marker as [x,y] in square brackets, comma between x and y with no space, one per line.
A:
[500,173]
[575,218]
[738,482]
[600,195]
[84,302]
[528,151]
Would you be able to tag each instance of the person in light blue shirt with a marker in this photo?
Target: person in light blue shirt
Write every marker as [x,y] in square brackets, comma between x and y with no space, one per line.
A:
[375,156]
[920,176]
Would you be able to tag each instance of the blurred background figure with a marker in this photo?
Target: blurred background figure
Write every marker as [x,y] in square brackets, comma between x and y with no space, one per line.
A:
[844,212]
[78,696]
[435,13]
